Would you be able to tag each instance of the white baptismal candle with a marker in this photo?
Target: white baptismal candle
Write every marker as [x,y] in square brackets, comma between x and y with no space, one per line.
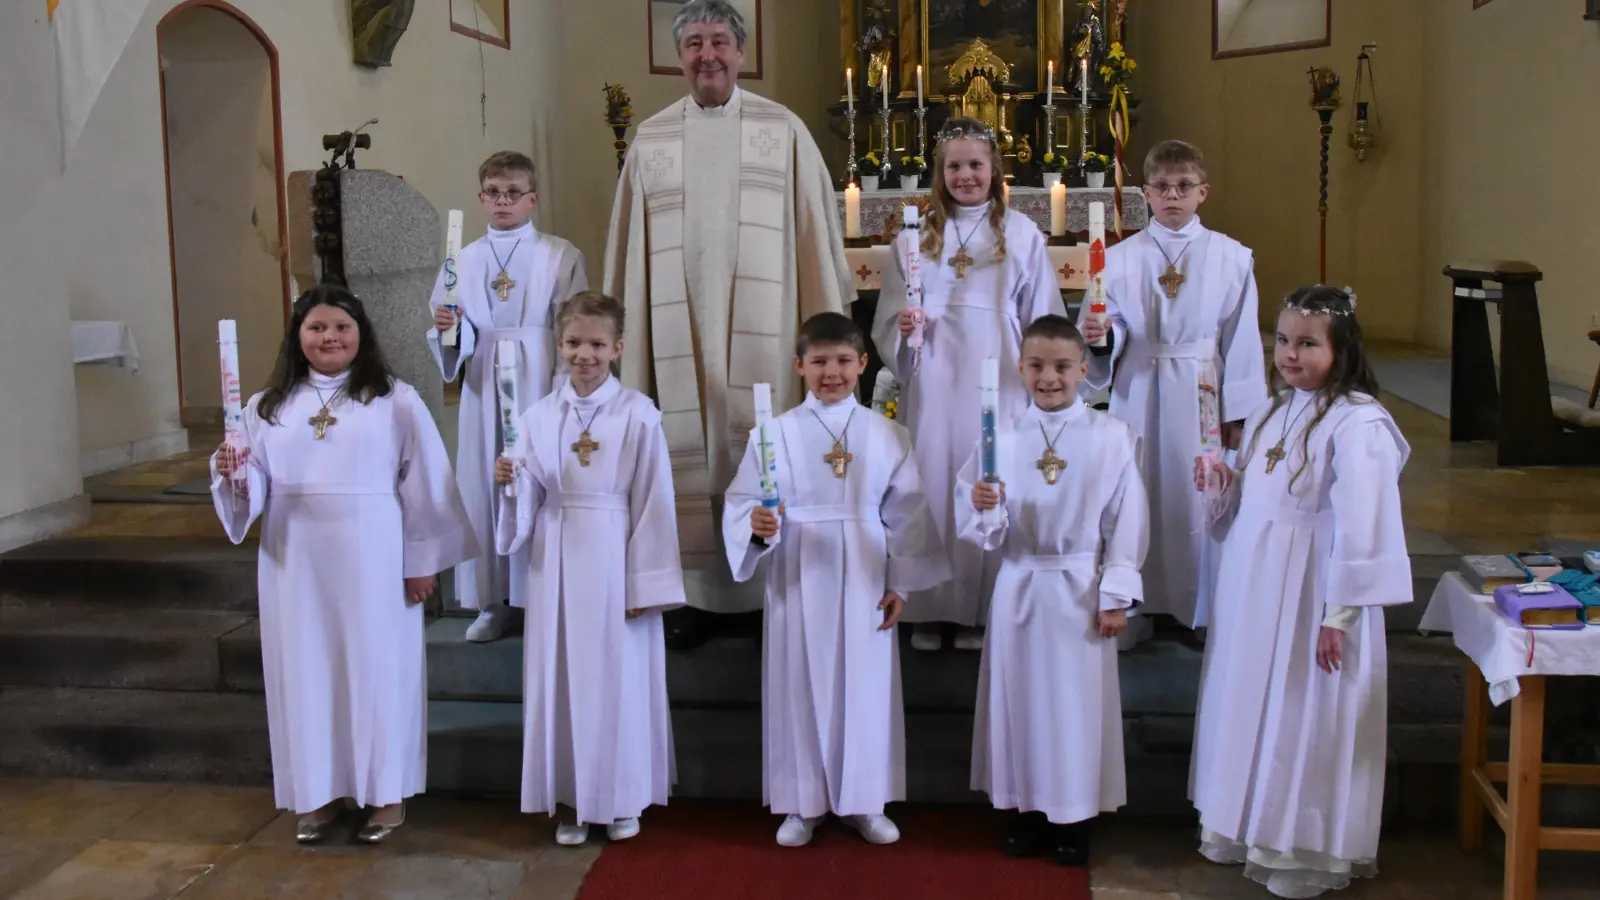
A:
[452,267]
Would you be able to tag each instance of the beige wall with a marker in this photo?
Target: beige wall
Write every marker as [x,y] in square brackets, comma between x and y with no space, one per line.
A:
[1250,116]
[1512,123]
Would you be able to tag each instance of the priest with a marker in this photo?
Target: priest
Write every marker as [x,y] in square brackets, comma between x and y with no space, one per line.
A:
[724,238]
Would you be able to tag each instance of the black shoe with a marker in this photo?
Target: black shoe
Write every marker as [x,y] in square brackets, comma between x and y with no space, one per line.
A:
[1027,834]
[1072,844]
[688,628]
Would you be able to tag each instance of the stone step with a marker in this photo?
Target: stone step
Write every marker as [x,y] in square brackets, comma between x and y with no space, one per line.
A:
[141,573]
[51,646]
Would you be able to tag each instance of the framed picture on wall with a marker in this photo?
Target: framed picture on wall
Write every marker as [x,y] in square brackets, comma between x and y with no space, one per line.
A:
[487,20]
[664,53]
[1253,27]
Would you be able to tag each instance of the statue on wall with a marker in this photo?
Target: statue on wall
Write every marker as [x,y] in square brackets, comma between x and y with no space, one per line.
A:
[376,27]
[1088,42]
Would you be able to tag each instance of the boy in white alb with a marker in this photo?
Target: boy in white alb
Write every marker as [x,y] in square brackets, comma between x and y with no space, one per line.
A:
[852,536]
[1182,349]
[1069,519]
[511,283]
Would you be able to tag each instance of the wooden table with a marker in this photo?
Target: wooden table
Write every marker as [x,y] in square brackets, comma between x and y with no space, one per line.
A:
[1517,812]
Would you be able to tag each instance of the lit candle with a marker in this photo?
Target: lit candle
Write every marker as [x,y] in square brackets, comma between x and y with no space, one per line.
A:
[919,87]
[1084,84]
[1050,85]
[852,211]
[885,88]
[1058,209]
[850,88]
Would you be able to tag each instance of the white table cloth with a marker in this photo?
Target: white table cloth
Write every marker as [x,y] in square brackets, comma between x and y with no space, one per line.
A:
[1502,650]
[109,343]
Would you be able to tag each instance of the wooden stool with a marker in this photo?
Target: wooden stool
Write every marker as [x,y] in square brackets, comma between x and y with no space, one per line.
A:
[1594,336]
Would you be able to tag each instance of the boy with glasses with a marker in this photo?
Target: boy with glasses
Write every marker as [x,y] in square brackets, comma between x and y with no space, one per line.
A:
[510,283]
[1183,359]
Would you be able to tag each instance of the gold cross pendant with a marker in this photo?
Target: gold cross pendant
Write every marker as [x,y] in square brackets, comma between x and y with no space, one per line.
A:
[1274,456]
[839,458]
[585,447]
[962,262]
[1051,465]
[321,421]
[502,285]
[1172,281]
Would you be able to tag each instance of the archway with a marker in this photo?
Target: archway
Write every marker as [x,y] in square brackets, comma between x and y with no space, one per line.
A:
[226,209]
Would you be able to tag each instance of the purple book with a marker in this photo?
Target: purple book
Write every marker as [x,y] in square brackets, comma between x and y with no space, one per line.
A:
[1554,609]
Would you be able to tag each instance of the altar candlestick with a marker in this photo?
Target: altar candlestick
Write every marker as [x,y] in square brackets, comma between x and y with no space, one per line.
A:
[919,87]
[769,461]
[852,211]
[1097,264]
[911,218]
[452,294]
[850,89]
[1058,209]
[505,362]
[232,402]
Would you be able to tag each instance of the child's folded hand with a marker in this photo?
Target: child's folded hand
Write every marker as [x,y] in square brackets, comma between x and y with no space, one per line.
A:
[763,522]
[504,470]
[987,496]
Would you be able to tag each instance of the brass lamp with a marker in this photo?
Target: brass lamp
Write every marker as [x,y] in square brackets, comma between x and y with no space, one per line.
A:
[1366,125]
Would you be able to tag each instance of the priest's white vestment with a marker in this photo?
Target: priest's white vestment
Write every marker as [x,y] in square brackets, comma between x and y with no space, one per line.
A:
[831,723]
[600,542]
[1289,760]
[1168,357]
[981,314]
[1047,734]
[724,237]
[546,270]
[346,519]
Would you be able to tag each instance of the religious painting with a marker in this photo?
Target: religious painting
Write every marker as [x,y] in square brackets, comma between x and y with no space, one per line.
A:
[487,20]
[1010,28]
[376,26]
[1252,27]
[664,53]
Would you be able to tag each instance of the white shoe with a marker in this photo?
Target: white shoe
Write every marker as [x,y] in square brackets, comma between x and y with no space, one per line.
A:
[1288,885]
[571,835]
[927,636]
[796,831]
[875,829]
[622,829]
[969,639]
[490,624]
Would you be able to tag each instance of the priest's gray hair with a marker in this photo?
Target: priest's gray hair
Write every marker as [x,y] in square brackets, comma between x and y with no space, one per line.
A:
[708,12]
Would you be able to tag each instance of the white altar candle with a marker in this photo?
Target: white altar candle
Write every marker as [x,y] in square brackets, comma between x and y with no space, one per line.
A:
[850,88]
[919,87]
[886,90]
[1050,84]
[1058,209]
[452,294]
[1083,84]
[852,211]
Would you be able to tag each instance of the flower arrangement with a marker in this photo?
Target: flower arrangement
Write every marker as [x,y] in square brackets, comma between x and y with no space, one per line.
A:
[1053,162]
[913,165]
[890,409]
[1118,69]
[870,165]
[619,108]
[1096,162]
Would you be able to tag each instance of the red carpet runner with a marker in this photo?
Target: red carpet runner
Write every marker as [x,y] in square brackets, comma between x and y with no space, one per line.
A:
[728,852]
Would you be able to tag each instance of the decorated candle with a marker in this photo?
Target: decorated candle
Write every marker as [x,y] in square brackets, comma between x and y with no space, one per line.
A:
[769,461]
[989,404]
[911,218]
[452,292]
[1097,263]
[506,388]
[232,400]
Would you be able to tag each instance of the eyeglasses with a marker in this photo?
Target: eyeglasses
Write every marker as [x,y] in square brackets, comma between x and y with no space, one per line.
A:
[511,197]
[1162,188]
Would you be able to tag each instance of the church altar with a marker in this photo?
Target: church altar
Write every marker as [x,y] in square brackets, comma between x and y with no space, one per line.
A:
[880,209]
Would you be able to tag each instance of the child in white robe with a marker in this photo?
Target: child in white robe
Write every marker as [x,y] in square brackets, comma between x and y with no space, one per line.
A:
[1289,747]
[593,505]
[511,281]
[852,536]
[1068,519]
[360,512]
[1182,355]
[985,275]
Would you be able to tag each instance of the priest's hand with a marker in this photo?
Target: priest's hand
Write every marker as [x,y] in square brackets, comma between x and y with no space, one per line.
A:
[987,496]
[1205,467]
[1094,328]
[764,522]
[1330,649]
[443,318]
[504,470]
[228,460]
[418,589]
[1113,622]
[892,605]
[1232,434]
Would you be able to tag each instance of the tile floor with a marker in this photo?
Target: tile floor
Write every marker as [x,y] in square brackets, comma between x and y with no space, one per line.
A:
[88,840]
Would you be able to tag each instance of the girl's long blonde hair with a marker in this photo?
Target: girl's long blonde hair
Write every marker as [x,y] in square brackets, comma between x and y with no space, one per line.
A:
[933,234]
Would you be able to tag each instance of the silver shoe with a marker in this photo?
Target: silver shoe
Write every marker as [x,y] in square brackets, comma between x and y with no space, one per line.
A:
[373,833]
[310,831]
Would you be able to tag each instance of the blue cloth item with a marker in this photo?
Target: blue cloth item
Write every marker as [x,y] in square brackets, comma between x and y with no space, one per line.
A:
[1585,588]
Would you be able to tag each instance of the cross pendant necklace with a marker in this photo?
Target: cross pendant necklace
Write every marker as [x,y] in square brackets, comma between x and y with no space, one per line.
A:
[1173,280]
[839,457]
[502,284]
[322,420]
[1276,454]
[961,262]
[1050,464]
[585,445]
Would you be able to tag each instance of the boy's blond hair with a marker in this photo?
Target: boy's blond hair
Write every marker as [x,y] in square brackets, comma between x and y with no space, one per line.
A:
[509,162]
[1174,156]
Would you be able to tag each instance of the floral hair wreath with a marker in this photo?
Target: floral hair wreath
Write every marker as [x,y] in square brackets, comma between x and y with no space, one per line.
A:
[1345,293]
[956,132]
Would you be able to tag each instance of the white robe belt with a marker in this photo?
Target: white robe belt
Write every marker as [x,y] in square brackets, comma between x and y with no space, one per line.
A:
[842,512]
[1202,350]
[331,489]
[1083,564]
[1286,515]
[588,500]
